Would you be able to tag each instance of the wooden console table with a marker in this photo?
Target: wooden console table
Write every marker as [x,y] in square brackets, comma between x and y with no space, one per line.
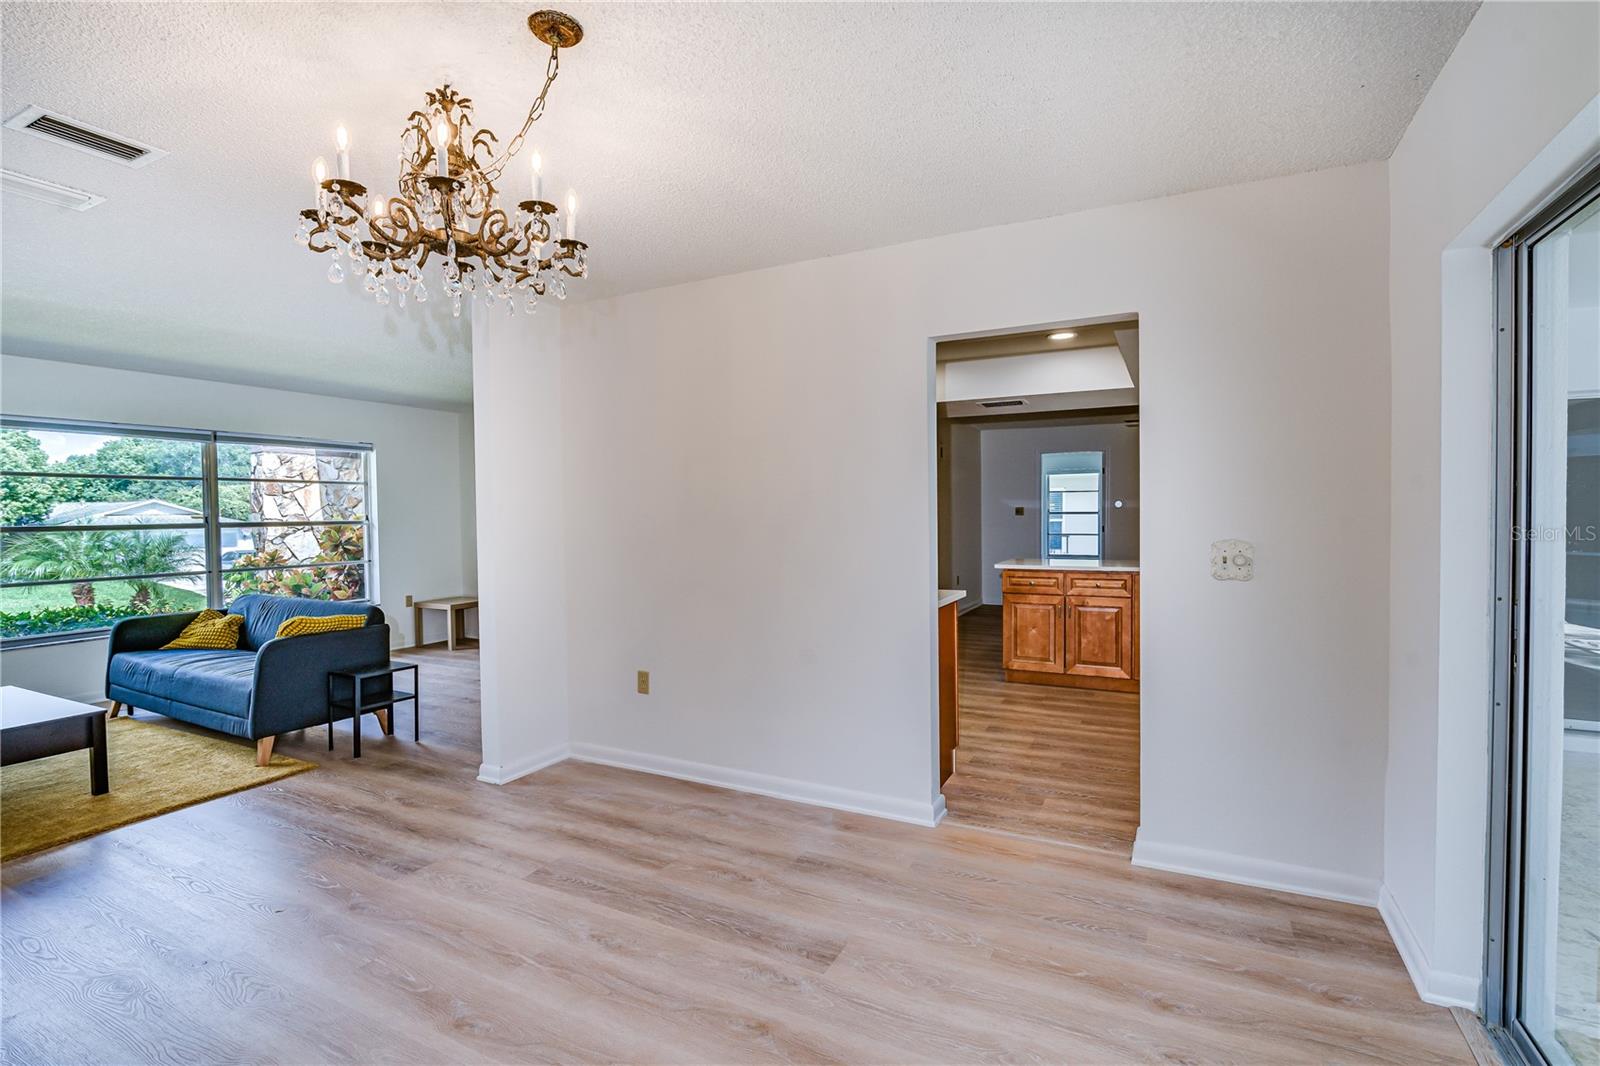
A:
[453,608]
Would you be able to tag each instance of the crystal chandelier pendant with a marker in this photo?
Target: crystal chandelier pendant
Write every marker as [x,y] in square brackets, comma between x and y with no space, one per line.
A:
[449,207]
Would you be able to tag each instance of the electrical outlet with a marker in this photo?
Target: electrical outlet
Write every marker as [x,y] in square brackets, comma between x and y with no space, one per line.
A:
[408,601]
[644,682]
[1021,511]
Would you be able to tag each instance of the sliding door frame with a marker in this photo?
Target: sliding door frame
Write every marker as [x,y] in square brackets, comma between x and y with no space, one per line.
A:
[1509,717]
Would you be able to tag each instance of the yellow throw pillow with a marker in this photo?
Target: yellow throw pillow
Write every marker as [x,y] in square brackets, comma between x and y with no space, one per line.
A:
[304,625]
[211,630]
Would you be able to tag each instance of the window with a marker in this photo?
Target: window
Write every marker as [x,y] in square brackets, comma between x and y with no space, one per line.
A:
[100,522]
[1071,509]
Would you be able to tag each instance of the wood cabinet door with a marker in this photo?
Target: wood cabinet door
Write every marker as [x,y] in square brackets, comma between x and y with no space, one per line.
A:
[1099,636]
[1032,633]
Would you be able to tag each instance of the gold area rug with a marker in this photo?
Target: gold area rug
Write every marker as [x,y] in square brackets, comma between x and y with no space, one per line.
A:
[154,769]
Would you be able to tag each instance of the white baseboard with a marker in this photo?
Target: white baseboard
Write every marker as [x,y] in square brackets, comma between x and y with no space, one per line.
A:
[1262,873]
[1434,986]
[498,774]
[839,799]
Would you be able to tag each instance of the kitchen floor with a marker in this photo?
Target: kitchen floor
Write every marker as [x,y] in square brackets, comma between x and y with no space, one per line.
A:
[1057,764]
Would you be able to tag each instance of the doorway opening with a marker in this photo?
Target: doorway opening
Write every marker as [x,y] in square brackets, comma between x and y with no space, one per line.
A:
[1037,536]
[1544,878]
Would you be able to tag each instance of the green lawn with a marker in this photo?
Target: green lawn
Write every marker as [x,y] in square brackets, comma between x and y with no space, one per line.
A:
[106,594]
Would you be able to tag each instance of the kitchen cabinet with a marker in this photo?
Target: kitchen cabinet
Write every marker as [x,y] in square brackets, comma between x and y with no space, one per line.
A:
[1075,628]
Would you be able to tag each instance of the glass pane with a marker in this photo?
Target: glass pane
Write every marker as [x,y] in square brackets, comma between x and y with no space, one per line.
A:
[37,451]
[291,501]
[1057,501]
[41,610]
[1056,545]
[1083,546]
[247,546]
[1081,501]
[312,583]
[290,463]
[1561,866]
[1074,482]
[99,553]
[1074,523]
[81,501]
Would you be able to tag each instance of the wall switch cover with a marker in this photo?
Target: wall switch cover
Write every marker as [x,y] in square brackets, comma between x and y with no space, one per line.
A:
[1233,560]
[644,682]
[408,601]
[1021,511]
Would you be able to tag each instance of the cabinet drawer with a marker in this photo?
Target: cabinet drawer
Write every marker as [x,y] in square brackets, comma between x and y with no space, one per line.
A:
[1030,581]
[1101,584]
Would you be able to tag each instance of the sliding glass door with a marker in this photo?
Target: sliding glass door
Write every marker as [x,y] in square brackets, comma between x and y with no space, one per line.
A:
[1545,966]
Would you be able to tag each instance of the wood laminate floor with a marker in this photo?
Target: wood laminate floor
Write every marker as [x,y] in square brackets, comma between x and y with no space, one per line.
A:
[1055,763]
[396,910]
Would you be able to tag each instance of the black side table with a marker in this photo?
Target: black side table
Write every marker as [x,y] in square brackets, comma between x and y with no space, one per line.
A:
[356,681]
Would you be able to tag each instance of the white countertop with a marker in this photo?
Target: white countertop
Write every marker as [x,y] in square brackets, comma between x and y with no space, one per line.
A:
[949,596]
[1068,564]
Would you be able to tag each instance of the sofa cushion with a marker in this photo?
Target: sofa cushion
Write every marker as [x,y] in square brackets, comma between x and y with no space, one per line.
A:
[219,680]
[210,629]
[264,614]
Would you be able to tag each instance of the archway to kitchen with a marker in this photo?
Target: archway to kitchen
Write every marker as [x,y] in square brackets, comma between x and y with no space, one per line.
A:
[1036,534]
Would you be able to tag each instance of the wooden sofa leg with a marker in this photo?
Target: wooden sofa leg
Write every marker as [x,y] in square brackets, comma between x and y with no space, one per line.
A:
[116,707]
[382,715]
[264,750]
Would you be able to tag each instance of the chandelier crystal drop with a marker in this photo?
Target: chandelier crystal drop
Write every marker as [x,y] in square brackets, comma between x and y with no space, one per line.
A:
[447,208]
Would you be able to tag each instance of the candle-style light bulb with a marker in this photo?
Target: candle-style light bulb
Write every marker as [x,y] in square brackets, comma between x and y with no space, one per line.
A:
[538,177]
[319,171]
[378,209]
[341,138]
[440,135]
[572,215]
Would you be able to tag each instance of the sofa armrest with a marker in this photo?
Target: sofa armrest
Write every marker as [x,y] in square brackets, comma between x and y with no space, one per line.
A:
[291,682]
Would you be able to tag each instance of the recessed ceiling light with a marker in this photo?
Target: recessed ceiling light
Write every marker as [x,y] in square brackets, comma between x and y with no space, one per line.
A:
[1064,335]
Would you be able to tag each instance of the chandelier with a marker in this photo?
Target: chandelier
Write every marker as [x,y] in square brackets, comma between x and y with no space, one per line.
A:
[446,208]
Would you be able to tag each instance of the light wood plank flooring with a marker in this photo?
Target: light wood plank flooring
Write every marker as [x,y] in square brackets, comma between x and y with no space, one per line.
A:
[1055,763]
[396,910]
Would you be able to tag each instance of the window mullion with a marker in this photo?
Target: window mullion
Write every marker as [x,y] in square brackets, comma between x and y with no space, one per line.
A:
[213,518]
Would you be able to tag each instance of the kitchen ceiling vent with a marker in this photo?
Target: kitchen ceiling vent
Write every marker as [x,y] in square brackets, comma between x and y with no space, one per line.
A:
[1002,403]
[48,191]
[84,137]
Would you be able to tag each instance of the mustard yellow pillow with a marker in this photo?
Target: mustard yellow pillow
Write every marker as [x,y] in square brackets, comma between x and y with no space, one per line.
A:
[303,625]
[212,630]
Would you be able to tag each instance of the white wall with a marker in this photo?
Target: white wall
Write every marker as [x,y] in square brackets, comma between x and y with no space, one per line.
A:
[519,443]
[1477,156]
[966,513]
[1011,456]
[778,581]
[424,534]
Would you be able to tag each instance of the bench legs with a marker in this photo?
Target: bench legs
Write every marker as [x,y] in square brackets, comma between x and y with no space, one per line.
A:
[264,750]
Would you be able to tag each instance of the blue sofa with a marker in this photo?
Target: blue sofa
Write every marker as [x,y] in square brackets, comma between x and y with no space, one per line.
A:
[268,686]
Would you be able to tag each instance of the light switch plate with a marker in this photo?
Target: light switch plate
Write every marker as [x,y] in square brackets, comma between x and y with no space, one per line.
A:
[1233,560]
[644,682]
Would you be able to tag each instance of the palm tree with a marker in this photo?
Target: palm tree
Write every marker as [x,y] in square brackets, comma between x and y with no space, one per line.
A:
[146,553]
[59,557]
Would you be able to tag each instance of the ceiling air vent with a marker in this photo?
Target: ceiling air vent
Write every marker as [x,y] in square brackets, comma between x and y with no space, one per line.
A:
[84,137]
[48,191]
[1002,403]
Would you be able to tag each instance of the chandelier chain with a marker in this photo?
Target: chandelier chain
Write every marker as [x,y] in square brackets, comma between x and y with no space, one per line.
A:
[552,68]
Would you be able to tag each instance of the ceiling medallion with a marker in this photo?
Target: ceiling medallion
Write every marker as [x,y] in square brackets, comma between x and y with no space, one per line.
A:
[446,207]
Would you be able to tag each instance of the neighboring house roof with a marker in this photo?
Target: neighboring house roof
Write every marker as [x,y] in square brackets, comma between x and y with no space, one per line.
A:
[122,512]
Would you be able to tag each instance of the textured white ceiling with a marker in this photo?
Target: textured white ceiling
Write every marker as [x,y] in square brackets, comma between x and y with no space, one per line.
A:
[703,139]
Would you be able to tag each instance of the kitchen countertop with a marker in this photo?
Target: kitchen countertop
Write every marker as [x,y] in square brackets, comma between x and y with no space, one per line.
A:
[1068,564]
[949,596]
